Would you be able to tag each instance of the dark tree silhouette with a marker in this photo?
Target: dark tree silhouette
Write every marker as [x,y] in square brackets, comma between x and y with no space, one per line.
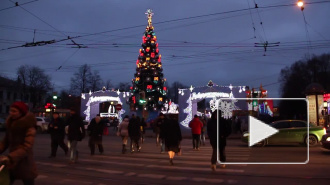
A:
[33,80]
[297,77]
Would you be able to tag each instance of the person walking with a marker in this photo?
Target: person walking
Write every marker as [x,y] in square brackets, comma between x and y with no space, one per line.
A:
[172,137]
[123,132]
[160,122]
[134,132]
[19,140]
[56,128]
[202,139]
[224,131]
[143,125]
[115,124]
[95,130]
[196,128]
[76,132]
[156,126]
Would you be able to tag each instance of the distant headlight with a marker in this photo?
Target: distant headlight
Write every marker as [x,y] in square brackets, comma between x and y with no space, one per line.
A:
[328,139]
[246,134]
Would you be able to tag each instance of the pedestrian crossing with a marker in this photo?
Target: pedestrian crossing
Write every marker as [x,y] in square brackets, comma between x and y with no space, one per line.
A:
[192,166]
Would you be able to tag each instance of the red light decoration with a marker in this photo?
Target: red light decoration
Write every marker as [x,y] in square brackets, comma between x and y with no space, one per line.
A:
[149,86]
[152,55]
[157,50]
[133,99]
[131,88]
[147,49]
[164,88]
[157,45]
[141,54]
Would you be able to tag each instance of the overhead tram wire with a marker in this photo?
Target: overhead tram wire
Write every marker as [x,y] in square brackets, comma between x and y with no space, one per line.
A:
[256,79]
[253,26]
[322,36]
[194,17]
[68,37]
[162,22]
[309,46]
[261,22]
[17,5]
[66,60]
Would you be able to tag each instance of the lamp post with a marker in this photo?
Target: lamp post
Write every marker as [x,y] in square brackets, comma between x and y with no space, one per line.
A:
[300,3]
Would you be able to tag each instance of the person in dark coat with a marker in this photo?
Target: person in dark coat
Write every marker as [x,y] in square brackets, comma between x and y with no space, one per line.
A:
[19,140]
[134,132]
[143,125]
[202,140]
[56,128]
[160,124]
[95,130]
[223,134]
[76,132]
[172,137]
[156,127]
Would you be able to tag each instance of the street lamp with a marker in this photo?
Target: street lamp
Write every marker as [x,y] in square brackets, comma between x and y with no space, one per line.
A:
[300,3]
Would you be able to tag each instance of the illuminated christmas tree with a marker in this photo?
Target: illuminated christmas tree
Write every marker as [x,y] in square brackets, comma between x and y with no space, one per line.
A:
[149,90]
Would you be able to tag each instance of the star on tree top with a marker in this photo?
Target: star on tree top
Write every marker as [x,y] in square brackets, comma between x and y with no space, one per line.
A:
[149,14]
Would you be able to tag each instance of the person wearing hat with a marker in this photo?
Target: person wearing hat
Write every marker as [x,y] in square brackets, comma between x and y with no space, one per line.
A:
[19,140]
[56,128]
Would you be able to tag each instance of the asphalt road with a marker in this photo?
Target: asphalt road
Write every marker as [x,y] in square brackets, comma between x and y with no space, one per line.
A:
[151,167]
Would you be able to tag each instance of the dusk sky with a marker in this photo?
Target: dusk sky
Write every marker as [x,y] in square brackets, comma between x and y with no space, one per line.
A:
[199,40]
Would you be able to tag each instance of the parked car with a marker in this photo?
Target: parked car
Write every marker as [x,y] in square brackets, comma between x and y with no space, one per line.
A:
[2,124]
[291,131]
[42,124]
[325,141]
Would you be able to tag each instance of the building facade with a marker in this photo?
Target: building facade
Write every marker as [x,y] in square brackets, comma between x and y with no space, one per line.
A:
[10,92]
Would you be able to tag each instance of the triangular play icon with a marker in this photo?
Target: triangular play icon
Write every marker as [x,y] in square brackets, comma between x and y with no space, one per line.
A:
[259,131]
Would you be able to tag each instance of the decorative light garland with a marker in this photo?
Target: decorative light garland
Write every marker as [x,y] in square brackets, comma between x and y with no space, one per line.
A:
[93,99]
[188,111]
[225,106]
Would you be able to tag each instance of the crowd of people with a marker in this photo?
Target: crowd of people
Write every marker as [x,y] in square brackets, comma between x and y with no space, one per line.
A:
[21,132]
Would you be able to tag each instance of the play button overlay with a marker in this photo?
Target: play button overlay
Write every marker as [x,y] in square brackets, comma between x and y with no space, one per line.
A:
[259,131]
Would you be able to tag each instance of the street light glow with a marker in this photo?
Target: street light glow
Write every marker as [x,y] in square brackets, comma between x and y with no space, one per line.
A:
[300,3]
